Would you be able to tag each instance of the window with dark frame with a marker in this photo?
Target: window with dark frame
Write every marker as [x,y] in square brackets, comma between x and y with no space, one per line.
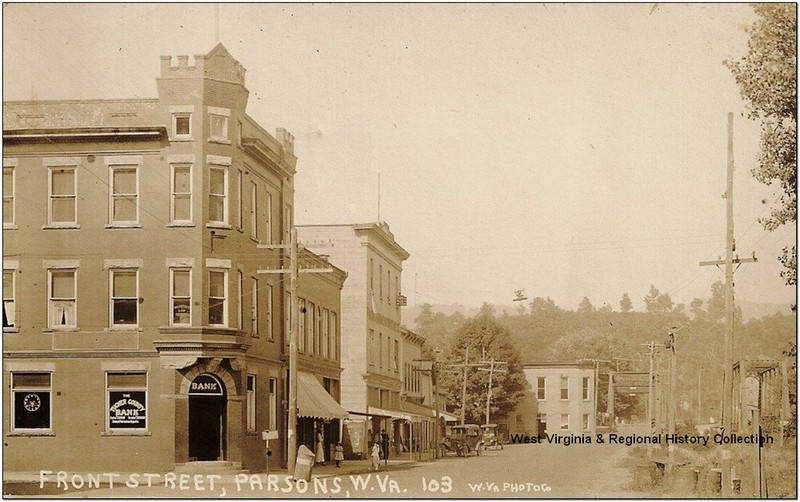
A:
[31,403]
[127,400]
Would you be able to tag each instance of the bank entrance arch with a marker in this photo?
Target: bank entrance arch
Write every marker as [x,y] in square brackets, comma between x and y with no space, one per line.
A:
[207,418]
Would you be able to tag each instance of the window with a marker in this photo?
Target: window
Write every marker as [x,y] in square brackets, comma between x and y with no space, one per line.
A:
[62,299]
[239,300]
[240,133]
[380,350]
[62,202]
[218,125]
[268,223]
[9,305]
[565,421]
[181,296]
[270,332]
[239,209]
[540,388]
[8,196]
[334,337]
[127,401]
[218,195]
[31,401]
[380,282]
[326,340]
[396,356]
[218,297]
[253,210]
[318,337]
[287,223]
[124,194]
[389,287]
[585,389]
[181,193]
[124,297]
[254,306]
[182,125]
[312,323]
[251,403]
[564,388]
[273,404]
[586,421]
[372,352]
[302,328]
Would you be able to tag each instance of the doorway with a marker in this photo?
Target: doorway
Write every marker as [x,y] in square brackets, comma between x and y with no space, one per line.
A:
[207,423]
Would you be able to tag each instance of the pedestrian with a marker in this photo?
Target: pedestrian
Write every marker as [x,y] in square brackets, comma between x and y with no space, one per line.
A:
[338,453]
[376,456]
[320,448]
[385,444]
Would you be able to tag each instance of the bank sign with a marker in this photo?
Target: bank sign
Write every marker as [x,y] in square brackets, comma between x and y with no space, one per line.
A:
[127,410]
[205,385]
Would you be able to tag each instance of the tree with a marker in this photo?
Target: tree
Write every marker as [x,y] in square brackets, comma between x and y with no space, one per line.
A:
[625,304]
[657,303]
[767,80]
[585,307]
[486,339]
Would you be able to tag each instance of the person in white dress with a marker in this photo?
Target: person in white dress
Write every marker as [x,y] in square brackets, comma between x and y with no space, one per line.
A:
[320,449]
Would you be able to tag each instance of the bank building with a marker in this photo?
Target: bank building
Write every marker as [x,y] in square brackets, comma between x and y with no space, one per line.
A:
[140,331]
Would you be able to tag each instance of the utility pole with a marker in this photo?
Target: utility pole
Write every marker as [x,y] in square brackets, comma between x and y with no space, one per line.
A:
[294,320]
[730,260]
[699,386]
[673,396]
[491,371]
[464,389]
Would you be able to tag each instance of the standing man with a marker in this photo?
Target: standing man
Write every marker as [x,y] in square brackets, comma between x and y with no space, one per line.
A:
[385,444]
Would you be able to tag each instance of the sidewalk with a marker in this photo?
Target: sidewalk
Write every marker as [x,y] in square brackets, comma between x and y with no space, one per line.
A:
[27,484]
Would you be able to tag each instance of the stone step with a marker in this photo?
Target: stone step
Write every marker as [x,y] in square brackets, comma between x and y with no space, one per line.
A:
[210,467]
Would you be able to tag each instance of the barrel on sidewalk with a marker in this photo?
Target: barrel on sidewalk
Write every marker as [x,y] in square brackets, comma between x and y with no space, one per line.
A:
[304,464]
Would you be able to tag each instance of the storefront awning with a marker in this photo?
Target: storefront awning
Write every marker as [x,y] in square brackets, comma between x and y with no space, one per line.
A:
[448,417]
[418,411]
[314,401]
[388,413]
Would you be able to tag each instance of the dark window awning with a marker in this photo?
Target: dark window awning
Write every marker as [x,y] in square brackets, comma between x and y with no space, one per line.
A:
[314,401]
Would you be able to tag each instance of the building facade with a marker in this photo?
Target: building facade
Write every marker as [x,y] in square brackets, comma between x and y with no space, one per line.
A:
[371,359]
[565,396]
[136,320]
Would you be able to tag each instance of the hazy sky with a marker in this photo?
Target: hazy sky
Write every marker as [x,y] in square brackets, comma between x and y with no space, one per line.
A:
[570,150]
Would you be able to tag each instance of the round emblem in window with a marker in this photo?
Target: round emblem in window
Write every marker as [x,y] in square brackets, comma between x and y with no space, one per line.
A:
[32,402]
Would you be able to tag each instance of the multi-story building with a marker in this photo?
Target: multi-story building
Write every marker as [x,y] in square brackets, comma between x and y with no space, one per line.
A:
[135,316]
[417,435]
[372,366]
[565,395]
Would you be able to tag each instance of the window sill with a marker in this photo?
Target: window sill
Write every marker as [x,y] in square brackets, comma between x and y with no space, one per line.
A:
[124,225]
[123,329]
[31,434]
[10,226]
[219,225]
[221,141]
[59,226]
[134,433]
[59,329]
[10,330]
[181,139]
[181,224]
[255,240]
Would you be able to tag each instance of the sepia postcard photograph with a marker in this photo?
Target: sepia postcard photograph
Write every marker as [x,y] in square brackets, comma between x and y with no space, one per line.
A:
[399,250]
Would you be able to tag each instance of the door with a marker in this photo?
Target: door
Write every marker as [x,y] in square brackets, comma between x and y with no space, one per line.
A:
[207,425]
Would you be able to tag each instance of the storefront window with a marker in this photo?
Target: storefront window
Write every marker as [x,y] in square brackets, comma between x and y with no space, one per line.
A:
[127,401]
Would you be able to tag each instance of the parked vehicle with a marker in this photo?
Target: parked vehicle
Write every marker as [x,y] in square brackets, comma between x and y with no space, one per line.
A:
[464,439]
[491,438]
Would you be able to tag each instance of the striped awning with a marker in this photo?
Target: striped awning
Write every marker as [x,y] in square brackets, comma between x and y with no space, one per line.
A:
[314,401]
